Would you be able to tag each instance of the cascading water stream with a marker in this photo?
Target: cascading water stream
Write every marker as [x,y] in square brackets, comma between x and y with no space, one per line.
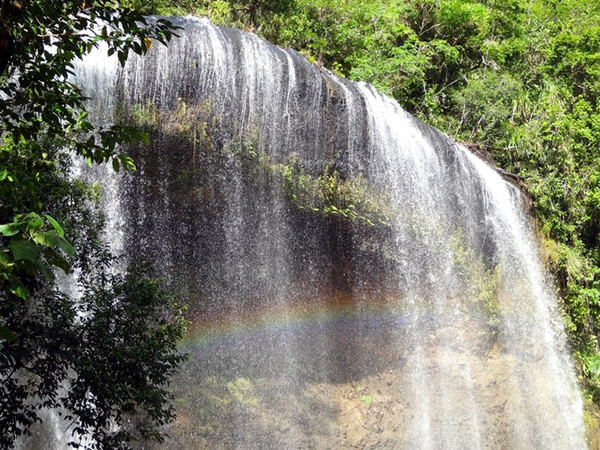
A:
[355,278]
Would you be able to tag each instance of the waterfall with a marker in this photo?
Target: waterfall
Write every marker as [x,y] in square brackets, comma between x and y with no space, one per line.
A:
[355,278]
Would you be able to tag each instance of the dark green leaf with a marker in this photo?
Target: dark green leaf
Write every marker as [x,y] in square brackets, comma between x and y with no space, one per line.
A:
[6,334]
[66,247]
[54,259]
[46,271]
[23,250]
[17,288]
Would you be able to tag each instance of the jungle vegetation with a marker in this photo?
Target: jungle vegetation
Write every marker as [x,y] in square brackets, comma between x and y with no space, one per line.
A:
[102,357]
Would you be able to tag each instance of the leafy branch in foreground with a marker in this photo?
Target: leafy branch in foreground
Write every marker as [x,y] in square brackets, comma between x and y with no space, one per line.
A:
[44,39]
[39,42]
[104,360]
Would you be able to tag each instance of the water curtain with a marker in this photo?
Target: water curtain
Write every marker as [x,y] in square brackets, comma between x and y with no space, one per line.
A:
[355,278]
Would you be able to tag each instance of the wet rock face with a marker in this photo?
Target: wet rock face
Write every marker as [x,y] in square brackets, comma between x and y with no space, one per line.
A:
[276,195]
[241,95]
[358,391]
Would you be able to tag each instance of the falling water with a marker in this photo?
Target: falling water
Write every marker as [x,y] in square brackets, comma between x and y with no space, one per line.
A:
[355,278]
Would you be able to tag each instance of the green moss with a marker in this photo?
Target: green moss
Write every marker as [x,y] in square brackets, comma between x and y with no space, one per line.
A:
[591,418]
[367,399]
[215,401]
[241,391]
[326,193]
[481,283]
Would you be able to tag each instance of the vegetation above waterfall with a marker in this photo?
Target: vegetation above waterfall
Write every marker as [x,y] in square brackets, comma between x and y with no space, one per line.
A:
[101,350]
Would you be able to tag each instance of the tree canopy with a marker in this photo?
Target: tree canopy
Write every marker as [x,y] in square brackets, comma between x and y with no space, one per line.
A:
[102,358]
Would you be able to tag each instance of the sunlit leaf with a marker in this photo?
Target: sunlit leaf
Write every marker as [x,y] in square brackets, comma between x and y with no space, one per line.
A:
[17,288]
[34,220]
[9,229]
[55,225]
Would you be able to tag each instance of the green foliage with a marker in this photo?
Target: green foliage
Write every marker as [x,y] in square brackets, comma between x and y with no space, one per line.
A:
[32,242]
[39,98]
[100,359]
[103,360]
[108,356]
[480,284]
[327,193]
[351,199]
[40,101]
[490,97]
[591,369]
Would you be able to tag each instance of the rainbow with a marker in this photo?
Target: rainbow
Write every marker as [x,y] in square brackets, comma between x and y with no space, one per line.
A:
[327,309]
